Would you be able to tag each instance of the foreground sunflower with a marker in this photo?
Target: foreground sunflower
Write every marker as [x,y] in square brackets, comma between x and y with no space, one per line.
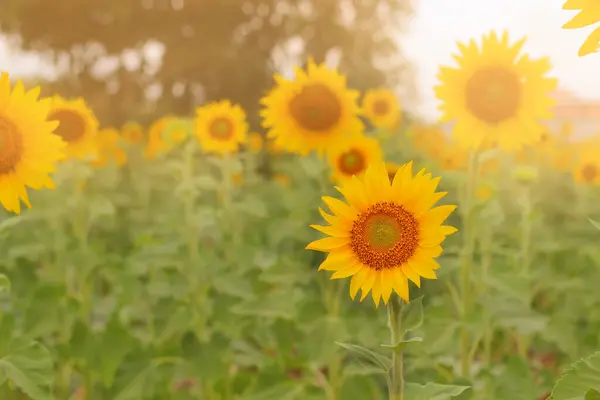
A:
[589,13]
[382,108]
[221,127]
[28,148]
[497,95]
[353,156]
[315,111]
[386,234]
[77,126]
[109,149]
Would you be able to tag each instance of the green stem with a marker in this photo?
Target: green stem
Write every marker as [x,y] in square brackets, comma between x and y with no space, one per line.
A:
[335,364]
[486,263]
[467,260]
[526,256]
[395,325]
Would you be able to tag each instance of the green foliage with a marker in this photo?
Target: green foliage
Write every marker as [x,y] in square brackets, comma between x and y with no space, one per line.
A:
[580,381]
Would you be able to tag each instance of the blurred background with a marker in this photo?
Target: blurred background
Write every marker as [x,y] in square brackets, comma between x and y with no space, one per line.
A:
[134,59]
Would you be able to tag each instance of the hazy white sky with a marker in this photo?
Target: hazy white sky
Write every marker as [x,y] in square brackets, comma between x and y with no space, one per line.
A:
[438,24]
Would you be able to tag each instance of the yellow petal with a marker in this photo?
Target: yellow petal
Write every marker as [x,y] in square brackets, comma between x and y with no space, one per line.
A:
[437,215]
[591,44]
[423,269]
[412,275]
[327,244]
[387,284]
[376,294]
[357,281]
[348,271]
[340,208]
[367,284]
[332,230]
[337,260]
[400,284]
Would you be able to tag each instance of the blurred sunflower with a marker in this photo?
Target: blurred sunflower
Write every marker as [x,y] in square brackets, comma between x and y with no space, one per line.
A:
[315,111]
[429,140]
[221,127]
[78,126]
[353,156]
[132,133]
[28,149]
[382,108]
[566,130]
[450,156]
[282,179]
[496,96]
[589,14]
[156,143]
[587,169]
[386,233]
[109,149]
[255,142]
[563,157]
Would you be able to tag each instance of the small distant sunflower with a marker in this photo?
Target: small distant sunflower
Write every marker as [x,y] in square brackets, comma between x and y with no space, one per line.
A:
[382,108]
[429,140]
[386,233]
[109,149]
[132,133]
[589,14]
[353,156]
[282,179]
[563,157]
[315,111]
[28,149]
[78,126]
[497,96]
[221,127]
[156,143]
[587,168]
[255,142]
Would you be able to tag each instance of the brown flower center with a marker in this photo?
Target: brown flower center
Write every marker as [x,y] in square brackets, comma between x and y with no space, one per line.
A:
[493,94]
[11,145]
[221,129]
[381,107]
[316,108]
[71,126]
[589,172]
[384,236]
[352,162]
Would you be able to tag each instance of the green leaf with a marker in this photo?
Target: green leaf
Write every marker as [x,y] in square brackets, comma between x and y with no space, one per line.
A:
[432,391]
[11,222]
[401,345]
[4,283]
[136,389]
[30,369]
[578,379]
[596,224]
[364,354]
[283,391]
[592,395]
[412,315]
[110,357]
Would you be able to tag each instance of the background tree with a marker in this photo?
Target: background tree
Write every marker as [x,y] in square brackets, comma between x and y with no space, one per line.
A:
[134,59]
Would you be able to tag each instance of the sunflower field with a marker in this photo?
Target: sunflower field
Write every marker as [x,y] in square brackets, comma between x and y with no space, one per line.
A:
[341,252]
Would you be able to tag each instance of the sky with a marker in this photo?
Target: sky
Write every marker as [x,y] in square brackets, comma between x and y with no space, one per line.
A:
[439,24]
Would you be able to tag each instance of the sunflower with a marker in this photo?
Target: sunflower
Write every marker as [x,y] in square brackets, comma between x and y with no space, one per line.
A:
[315,111]
[282,179]
[255,142]
[28,149]
[132,133]
[221,127]
[156,143]
[109,149]
[353,156]
[589,13]
[386,233]
[496,96]
[78,126]
[587,168]
[382,108]
[429,140]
